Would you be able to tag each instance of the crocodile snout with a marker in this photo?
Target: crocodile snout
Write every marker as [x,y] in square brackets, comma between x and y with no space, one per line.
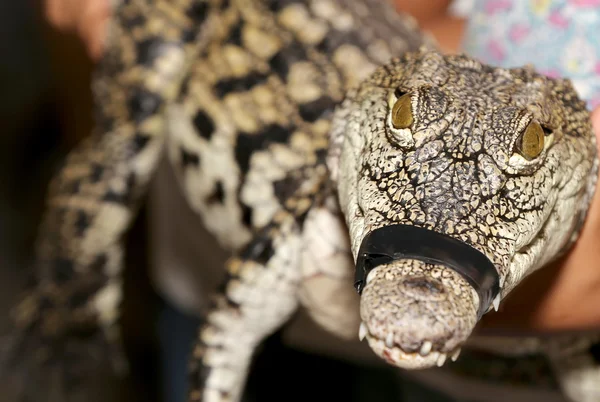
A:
[415,314]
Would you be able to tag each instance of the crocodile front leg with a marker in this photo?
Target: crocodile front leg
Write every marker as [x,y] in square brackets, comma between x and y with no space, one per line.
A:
[327,293]
[66,325]
[258,296]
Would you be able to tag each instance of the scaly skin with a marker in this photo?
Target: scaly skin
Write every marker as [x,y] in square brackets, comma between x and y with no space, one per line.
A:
[240,95]
[457,170]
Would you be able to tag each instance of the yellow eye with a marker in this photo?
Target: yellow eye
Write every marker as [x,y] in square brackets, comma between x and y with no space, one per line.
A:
[402,112]
[531,143]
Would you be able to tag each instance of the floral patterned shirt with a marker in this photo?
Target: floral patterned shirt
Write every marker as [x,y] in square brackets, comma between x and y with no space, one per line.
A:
[561,38]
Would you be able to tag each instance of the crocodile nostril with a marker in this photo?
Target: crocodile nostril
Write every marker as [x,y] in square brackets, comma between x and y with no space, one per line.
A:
[423,286]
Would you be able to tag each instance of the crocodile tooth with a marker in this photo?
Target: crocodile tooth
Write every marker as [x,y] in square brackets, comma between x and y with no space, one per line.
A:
[425,348]
[455,355]
[441,360]
[496,302]
[370,276]
[389,340]
[362,331]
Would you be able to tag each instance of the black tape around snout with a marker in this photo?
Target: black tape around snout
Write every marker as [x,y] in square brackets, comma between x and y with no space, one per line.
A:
[399,242]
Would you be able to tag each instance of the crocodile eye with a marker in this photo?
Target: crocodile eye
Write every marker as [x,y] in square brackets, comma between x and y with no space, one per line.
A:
[402,112]
[531,142]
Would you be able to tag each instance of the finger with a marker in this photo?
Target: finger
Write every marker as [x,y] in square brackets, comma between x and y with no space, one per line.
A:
[86,18]
[596,124]
[92,26]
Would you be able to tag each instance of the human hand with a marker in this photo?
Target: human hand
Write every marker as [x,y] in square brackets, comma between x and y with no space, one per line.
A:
[85,18]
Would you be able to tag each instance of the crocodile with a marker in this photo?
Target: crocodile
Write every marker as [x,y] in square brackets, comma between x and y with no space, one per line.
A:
[326,143]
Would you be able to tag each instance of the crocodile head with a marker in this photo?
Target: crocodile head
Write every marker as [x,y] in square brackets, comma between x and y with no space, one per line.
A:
[501,161]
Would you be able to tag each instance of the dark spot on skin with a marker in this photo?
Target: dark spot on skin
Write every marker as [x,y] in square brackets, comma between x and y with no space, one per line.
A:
[334,39]
[321,154]
[75,186]
[235,36]
[130,183]
[595,352]
[139,142]
[229,85]
[146,51]
[316,109]
[204,124]
[132,22]
[260,250]
[99,263]
[232,304]
[78,299]
[281,61]
[189,35]
[97,171]
[114,197]
[62,270]
[199,371]
[285,188]
[248,144]
[302,217]
[276,5]
[218,195]
[143,104]
[246,215]
[185,86]
[198,12]
[189,158]
[82,223]
[424,285]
